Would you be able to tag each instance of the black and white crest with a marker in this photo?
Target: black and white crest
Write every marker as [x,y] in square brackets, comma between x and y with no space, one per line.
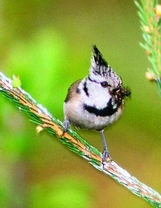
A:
[100,67]
[99,64]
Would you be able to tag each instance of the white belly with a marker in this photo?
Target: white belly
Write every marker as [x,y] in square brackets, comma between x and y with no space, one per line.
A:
[76,114]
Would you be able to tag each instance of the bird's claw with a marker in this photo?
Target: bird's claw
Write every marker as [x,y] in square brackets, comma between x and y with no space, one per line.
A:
[106,156]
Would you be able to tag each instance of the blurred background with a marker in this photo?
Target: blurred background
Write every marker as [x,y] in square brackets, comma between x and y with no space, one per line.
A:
[48,45]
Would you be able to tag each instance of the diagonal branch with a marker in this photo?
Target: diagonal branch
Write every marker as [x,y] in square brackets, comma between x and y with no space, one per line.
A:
[40,115]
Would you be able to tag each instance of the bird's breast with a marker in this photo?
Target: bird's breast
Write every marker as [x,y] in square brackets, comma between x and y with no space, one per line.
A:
[89,117]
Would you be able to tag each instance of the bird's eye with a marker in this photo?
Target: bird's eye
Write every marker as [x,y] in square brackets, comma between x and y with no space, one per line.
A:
[105,84]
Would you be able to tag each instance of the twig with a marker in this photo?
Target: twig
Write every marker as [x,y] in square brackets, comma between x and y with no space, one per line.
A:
[150,20]
[40,115]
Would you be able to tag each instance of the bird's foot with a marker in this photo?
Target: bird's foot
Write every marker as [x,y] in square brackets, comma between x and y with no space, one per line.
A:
[106,156]
[65,126]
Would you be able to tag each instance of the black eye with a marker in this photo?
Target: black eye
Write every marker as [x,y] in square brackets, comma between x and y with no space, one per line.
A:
[104,84]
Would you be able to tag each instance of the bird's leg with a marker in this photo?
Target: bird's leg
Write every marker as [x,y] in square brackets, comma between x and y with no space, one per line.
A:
[66,124]
[105,155]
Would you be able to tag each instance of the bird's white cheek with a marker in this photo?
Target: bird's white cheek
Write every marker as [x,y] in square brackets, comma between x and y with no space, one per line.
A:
[101,101]
[98,98]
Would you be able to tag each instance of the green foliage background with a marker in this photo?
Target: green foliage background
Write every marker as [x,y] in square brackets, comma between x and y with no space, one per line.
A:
[48,44]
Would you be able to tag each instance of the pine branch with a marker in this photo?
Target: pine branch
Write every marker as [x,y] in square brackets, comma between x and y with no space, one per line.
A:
[150,20]
[40,115]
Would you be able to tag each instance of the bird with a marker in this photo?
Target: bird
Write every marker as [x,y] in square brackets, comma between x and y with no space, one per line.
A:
[96,101]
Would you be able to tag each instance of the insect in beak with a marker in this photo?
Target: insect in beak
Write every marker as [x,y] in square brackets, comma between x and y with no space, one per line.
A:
[121,92]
